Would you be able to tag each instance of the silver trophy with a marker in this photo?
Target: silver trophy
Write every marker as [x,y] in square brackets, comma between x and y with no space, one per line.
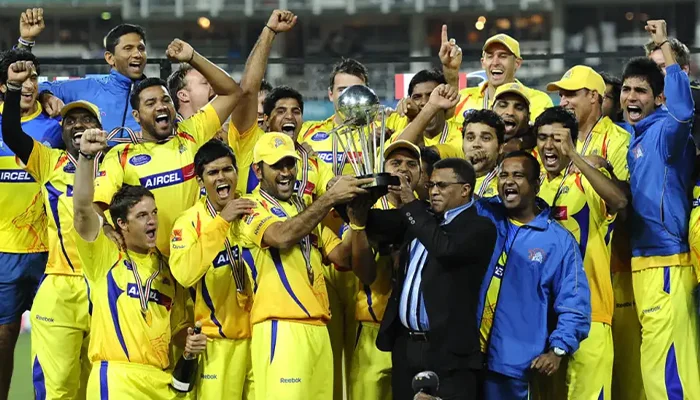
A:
[361,140]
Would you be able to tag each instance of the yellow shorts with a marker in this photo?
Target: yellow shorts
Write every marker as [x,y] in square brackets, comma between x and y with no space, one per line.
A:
[342,290]
[627,337]
[370,373]
[226,371]
[60,318]
[694,239]
[589,373]
[669,351]
[129,381]
[292,361]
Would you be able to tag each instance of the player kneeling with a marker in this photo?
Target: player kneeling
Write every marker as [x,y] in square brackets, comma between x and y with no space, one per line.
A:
[204,254]
[139,308]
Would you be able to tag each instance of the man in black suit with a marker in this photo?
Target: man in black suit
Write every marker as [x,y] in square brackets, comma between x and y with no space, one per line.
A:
[430,320]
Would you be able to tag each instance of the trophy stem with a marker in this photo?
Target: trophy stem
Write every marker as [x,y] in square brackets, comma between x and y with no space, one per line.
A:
[353,143]
[382,139]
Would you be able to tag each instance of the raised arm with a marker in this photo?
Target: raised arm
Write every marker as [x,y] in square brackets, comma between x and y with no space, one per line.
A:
[245,115]
[14,137]
[442,98]
[451,59]
[86,220]
[286,234]
[608,190]
[227,90]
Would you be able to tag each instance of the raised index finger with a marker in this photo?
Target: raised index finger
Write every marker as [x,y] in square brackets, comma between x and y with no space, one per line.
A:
[444,33]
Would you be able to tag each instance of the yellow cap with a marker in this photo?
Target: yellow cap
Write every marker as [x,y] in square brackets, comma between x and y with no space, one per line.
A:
[402,144]
[577,78]
[513,87]
[82,104]
[505,40]
[272,147]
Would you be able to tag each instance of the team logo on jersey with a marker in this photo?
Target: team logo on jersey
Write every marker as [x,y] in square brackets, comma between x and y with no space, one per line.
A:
[638,151]
[278,212]
[139,159]
[182,148]
[536,255]
[564,190]
[320,136]
[176,236]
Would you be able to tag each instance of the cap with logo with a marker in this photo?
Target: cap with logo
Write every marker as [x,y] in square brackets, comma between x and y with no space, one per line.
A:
[83,105]
[402,144]
[514,88]
[577,78]
[505,40]
[272,147]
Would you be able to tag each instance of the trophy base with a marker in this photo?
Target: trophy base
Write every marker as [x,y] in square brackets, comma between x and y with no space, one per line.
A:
[381,183]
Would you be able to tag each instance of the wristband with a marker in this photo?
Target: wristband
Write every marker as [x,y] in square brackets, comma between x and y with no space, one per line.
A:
[356,227]
[273,31]
[26,43]
[86,156]
[13,87]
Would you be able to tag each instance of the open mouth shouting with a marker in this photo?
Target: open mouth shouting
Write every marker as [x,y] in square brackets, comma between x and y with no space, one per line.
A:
[136,67]
[285,184]
[27,96]
[223,191]
[550,159]
[497,74]
[162,121]
[151,234]
[510,194]
[288,128]
[511,125]
[634,113]
[76,138]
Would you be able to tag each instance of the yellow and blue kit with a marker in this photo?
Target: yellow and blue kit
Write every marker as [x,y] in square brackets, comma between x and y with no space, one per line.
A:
[201,258]
[166,169]
[661,159]
[130,346]
[292,356]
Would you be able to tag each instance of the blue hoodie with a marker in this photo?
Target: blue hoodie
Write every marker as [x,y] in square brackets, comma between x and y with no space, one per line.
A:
[544,299]
[110,94]
[661,158]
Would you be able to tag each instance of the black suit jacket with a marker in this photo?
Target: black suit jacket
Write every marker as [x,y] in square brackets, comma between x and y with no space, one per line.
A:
[458,256]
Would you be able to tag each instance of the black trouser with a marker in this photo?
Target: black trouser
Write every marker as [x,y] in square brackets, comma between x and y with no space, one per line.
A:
[410,356]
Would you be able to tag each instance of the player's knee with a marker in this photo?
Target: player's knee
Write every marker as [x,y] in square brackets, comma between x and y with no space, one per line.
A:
[8,335]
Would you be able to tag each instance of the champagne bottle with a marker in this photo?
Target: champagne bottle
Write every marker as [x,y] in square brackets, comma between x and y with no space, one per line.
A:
[185,372]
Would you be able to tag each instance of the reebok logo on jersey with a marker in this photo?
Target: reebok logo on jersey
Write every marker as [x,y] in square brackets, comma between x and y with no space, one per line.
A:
[15,176]
[155,296]
[169,178]
[209,376]
[290,380]
[44,319]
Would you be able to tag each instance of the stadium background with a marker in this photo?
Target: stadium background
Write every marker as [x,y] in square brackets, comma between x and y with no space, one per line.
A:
[394,38]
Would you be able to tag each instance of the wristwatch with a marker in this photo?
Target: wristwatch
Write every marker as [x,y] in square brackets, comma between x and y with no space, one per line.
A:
[559,352]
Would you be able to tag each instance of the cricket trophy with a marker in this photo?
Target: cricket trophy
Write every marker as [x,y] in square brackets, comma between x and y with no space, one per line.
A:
[361,138]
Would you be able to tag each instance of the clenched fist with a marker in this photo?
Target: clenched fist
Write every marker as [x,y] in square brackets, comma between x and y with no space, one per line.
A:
[657,30]
[179,50]
[444,97]
[281,21]
[31,23]
[93,141]
[19,71]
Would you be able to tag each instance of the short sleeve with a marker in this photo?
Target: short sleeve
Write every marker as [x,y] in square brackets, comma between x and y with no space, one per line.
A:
[325,175]
[40,161]
[110,177]
[329,239]
[97,257]
[254,226]
[202,126]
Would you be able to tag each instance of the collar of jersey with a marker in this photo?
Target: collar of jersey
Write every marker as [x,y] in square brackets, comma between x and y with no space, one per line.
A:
[483,85]
[122,80]
[26,118]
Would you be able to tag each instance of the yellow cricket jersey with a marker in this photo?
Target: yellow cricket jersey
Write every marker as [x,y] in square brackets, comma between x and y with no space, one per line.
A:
[317,135]
[371,300]
[451,136]
[54,170]
[312,175]
[166,169]
[487,185]
[198,257]
[284,289]
[475,98]
[119,330]
[23,221]
[491,300]
[583,213]
[610,142]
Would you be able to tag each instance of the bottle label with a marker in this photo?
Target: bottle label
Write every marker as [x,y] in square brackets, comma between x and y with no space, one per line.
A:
[180,386]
